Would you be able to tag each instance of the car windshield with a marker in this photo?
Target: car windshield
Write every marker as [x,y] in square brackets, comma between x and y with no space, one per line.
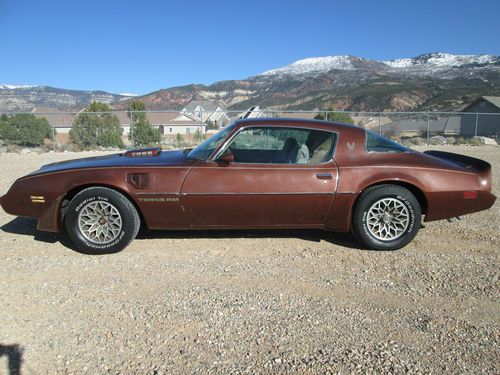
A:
[205,149]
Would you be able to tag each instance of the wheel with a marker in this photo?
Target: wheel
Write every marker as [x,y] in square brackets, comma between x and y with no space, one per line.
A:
[386,217]
[101,221]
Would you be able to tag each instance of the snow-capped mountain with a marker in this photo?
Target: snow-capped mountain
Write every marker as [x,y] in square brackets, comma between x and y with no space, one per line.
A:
[13,87]
[427,63]
[314,65]
[440,59]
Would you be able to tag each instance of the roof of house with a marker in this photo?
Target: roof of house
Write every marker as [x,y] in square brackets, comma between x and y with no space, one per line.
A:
[495,100]
[59,119]
[215,116]
[205,104]
[443,124]
[252,112]
[154,118]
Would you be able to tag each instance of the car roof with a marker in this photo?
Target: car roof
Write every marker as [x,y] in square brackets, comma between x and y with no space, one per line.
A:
[293,122]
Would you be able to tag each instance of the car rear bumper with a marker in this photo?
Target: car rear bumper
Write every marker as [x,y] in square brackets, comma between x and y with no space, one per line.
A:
[452,204]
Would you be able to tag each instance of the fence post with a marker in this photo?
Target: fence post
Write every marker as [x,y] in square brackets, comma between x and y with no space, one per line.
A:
[380,123]
[475,127]
[428,127]
[54,138]
[130,132]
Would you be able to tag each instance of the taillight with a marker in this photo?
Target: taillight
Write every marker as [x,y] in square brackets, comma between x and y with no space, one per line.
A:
[472,194]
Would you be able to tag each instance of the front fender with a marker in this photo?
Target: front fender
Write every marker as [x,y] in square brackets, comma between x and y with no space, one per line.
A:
[41,196]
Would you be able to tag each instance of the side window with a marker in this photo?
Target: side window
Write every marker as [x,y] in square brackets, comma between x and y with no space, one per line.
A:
[377,143]
[281,145]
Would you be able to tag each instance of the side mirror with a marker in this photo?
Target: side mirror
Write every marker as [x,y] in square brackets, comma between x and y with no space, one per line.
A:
[226,157]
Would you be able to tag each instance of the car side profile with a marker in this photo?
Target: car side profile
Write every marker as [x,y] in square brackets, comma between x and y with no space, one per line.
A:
[256,173]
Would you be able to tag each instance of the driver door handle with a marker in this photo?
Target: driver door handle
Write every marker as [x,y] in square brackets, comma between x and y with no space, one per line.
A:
[324,176]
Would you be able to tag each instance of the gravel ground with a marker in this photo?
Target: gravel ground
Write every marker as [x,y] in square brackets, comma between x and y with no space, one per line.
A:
[251,302]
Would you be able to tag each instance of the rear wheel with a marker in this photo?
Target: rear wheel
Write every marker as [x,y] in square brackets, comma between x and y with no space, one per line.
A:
[386,217]
[100,220]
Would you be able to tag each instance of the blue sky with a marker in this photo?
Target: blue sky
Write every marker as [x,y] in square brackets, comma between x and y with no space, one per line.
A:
[142,46]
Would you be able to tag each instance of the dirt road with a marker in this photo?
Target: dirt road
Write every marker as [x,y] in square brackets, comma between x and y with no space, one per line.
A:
[247,302]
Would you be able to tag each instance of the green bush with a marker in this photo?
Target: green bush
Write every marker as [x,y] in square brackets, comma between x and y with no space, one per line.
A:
[334,116]
[198,136]
[24,129]
[91,129]
[474,141]
[179,139]
[142,133]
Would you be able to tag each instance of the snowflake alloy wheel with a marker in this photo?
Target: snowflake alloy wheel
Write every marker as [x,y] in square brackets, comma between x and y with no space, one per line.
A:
[388,219]
[100,222]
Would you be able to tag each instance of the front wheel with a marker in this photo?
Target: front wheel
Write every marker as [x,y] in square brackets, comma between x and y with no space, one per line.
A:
[386,217]
[100,220]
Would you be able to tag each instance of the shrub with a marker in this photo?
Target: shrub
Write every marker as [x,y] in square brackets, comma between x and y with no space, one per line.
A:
[475,141]
[142,133]
[96,126]
[179,139]
[333,116]
[24,129]
[212,125]
[197,135]
[451,140]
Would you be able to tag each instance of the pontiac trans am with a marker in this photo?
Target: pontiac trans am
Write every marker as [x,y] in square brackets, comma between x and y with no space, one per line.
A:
[257,173]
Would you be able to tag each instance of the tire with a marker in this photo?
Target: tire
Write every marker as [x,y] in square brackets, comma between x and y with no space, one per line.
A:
[386,217]
[100,220]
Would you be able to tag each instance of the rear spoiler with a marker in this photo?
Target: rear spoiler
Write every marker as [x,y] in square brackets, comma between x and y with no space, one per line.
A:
[476,165]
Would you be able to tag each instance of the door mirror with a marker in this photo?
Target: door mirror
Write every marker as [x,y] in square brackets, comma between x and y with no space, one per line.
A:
[226,157]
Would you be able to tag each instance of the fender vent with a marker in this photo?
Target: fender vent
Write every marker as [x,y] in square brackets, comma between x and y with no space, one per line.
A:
[138,180]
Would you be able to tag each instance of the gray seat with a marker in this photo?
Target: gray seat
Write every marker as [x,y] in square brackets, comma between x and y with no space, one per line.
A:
[288,154]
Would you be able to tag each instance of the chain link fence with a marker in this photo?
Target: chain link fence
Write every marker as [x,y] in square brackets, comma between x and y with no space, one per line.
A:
[181,127]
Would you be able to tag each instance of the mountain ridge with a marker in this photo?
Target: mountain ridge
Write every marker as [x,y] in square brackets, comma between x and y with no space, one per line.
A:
[432,81]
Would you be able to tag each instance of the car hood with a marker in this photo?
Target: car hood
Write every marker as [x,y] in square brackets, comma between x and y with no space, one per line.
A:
[164,158]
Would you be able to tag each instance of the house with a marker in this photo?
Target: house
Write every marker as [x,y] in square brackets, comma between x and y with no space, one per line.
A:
[171,122]
[206,112]
[481,117]
[183,124]
[252,112]
[418,126]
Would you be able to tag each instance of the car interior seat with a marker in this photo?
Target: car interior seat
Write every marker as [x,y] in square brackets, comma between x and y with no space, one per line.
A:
[289,151]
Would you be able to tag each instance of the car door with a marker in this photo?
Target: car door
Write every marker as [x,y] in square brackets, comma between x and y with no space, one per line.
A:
[269,183]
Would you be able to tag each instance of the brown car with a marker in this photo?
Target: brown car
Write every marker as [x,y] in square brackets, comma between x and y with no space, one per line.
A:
[259,173]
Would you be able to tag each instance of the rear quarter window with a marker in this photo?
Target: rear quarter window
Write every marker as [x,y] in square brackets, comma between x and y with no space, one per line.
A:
[378,143]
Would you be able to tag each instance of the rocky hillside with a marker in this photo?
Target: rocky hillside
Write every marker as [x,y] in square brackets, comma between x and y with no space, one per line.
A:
[436,81]
[24,98]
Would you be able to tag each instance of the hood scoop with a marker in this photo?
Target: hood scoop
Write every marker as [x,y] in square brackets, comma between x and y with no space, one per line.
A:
[142,152]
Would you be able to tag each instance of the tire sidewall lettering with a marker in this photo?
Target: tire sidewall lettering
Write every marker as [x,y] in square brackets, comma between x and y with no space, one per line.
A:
[411,211]
[108,245]
[83,203]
